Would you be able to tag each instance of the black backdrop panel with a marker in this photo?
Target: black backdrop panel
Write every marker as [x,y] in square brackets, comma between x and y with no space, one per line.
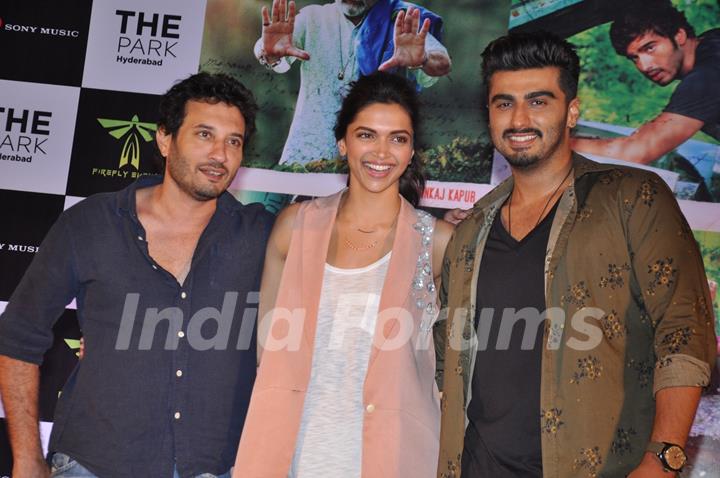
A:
[44,41]
[20,238]
[58,363]
[114,141]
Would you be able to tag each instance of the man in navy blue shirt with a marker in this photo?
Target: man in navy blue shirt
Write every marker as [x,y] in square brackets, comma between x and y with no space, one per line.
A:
[163,272]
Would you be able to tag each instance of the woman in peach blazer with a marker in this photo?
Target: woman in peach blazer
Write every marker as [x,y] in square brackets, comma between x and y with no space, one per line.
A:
[354,230]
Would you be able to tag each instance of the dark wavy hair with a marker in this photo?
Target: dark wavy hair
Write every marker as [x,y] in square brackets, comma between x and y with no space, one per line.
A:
[656,16]
[540,49]
[209,88]
[387,89]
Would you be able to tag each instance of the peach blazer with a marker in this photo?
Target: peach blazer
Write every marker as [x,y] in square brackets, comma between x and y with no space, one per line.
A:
[401,426]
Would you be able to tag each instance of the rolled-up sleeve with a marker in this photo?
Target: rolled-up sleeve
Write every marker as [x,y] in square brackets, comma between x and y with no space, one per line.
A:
[671,276]
[48,285]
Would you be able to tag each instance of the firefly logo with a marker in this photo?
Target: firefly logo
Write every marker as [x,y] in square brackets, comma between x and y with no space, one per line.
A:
[132,130]
[74,345]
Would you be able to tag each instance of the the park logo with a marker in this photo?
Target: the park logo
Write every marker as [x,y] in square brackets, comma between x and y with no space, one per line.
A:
[133,131]
[153,43]
[147,38]
[24,134]
[37,124]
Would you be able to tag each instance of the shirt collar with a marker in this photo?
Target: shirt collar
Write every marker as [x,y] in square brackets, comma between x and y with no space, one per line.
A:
[126,199]
[581,166]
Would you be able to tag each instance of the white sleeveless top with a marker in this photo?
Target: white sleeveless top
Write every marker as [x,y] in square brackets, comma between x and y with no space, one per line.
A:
[329,442]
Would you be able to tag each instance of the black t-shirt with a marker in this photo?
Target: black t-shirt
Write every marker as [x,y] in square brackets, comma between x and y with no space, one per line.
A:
[697,94]
[503,435]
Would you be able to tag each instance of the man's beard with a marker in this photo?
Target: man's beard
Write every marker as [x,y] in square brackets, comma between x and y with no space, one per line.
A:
[356,10]
[181,172]
[528,160]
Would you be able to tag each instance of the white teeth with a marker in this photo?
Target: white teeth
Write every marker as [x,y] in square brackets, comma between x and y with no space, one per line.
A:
[213,173]
[522,138]
[377,167]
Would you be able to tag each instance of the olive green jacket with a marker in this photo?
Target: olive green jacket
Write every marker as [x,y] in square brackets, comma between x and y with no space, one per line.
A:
[628,314]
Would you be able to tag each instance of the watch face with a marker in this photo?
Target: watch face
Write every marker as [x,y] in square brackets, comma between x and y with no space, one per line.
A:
[675,457]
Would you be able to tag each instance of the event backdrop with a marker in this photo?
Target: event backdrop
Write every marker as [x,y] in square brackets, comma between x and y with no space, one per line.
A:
[79,86]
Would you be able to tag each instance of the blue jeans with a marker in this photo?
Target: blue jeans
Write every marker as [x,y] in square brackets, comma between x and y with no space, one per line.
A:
[62,466]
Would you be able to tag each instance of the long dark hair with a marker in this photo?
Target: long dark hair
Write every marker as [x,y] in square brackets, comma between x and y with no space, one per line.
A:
[387,89]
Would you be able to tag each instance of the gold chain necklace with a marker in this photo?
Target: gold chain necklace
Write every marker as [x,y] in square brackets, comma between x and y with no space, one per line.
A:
[360,248]
[349,244]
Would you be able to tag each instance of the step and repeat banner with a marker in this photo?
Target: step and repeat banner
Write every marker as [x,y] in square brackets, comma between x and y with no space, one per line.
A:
[79,86]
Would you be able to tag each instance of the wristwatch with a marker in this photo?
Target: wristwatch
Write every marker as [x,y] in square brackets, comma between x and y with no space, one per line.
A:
[671,456]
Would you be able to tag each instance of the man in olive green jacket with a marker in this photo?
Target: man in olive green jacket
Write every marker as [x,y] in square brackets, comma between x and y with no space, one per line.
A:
[615,376]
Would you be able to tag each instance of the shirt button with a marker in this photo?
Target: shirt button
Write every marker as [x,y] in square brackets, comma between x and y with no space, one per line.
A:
[154,266]
[177,415]
[370,408]
[179,373]
[181,334]
[183,294]
[140,238]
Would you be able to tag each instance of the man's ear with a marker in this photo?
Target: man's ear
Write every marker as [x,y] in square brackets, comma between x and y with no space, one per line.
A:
[163,141]
[573,112]
[680,37]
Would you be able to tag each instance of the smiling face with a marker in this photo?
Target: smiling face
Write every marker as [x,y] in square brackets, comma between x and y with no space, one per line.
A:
[530,119]
[205,153]
[657,57]
[379,146]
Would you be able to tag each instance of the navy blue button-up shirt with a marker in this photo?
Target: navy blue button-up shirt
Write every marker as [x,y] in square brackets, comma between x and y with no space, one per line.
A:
[168,368]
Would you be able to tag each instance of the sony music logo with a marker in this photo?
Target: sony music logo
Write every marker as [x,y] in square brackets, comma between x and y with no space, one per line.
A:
[52,31]
[18,248]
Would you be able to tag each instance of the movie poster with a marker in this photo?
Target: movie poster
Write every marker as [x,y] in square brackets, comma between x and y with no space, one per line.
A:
[645,100]
[296,153]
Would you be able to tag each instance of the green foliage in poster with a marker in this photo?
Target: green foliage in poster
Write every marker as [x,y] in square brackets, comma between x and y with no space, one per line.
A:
[709,243]
[612,90]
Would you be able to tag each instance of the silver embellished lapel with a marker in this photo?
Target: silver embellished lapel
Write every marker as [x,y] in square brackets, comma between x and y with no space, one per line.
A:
[423,291]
